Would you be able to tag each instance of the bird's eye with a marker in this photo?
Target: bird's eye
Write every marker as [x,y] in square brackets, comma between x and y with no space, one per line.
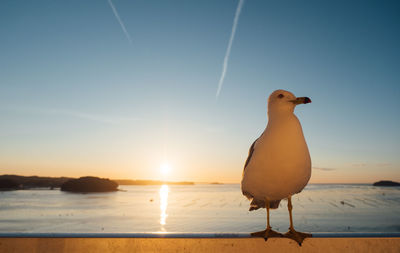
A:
[280,96]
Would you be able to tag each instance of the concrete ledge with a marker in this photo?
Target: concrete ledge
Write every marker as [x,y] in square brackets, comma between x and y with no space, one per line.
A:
[190,235]
[201,244]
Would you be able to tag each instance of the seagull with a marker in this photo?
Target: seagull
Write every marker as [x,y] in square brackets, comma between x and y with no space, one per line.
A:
[279,164]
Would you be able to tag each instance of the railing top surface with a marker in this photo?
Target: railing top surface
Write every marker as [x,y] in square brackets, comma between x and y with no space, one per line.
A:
[189,235]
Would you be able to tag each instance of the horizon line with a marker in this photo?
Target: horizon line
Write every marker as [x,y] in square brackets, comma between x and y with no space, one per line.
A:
[191,181]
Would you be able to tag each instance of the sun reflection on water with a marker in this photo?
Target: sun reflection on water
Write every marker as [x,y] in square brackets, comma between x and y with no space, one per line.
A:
[164,189]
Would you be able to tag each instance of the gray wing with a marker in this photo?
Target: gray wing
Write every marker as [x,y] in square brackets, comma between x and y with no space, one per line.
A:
[251,150]
[257,203]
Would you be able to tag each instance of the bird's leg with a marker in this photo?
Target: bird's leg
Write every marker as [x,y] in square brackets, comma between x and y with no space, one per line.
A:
[292,233]
[268,232]
[267,207]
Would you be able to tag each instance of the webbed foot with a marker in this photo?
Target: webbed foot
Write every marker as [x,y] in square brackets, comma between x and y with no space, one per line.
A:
[267,233]
[297,236]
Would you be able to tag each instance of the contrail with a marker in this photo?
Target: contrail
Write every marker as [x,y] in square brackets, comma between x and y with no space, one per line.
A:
[228,50]
[120,21]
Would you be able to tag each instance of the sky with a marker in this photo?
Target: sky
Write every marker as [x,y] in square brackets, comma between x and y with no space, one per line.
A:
[120,88]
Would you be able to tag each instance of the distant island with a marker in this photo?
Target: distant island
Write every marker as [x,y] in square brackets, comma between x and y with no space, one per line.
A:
[89,184]
[149,182]
[22,182]
[386,183]
[15,182]
[8,184]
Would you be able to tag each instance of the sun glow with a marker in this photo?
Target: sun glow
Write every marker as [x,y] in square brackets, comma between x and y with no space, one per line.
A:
[165,169]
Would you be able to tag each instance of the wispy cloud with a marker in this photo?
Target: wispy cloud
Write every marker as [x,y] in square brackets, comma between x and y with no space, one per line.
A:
[94,117]
[323,169]
[369,164]
[120,21]
[357,165]
[75,114]
[383,164]
[228,50]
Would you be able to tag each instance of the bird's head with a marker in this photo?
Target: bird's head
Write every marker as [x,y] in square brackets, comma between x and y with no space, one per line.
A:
[284,101]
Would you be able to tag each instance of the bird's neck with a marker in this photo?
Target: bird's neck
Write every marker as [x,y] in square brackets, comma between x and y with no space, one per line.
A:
[287,122]
[276,114]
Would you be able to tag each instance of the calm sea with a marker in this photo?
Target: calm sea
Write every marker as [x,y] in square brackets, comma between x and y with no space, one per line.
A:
[198,208]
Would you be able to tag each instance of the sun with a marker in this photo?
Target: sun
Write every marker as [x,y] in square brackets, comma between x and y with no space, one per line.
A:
[165,168]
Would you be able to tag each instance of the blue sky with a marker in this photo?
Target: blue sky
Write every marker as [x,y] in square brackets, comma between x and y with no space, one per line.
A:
[78,98]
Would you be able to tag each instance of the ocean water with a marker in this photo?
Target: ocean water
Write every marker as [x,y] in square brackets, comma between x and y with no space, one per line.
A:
[199,208]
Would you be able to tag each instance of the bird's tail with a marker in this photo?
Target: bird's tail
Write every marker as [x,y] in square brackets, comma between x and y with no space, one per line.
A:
[257,203]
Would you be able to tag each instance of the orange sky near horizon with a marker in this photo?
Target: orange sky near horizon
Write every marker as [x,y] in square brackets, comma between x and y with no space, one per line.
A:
[153,170]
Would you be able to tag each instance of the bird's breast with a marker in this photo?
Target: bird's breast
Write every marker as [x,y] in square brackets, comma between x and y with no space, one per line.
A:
[280,158]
